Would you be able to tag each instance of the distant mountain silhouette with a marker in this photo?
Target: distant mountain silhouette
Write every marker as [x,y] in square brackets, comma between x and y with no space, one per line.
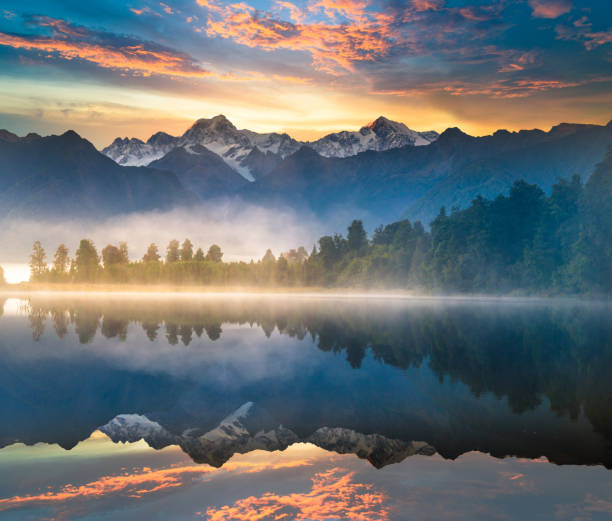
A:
[414,182]
[65,175]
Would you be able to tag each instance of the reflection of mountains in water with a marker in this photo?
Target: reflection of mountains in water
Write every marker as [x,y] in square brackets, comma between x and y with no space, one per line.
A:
[247,429]
[549,362]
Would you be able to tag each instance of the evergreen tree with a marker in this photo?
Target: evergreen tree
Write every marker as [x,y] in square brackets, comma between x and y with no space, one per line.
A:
[111,255]
[357,238]
[60,260]
[152,254]
[214,254]
[268,257]
[87,261]
[187,250]
[38,261]
[172,251]
[123,251]
[199,255]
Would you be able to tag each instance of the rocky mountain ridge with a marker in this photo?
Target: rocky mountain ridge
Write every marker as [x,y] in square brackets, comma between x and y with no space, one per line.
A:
[242,432]
[235,146]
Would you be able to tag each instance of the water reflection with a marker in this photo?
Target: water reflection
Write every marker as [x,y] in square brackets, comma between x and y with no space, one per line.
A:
[225,375]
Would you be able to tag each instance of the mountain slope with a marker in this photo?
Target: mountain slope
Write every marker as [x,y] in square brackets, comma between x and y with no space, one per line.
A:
[236,434]
[201,171]
[65,175]
[381,134]
[236,146]
[414,182]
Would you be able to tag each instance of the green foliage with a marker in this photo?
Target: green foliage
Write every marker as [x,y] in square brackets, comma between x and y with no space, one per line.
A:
[38,262]
[187,250]
[87,262]
[172,251]
[152,254]
[214,254]
[523,241]
[61,261]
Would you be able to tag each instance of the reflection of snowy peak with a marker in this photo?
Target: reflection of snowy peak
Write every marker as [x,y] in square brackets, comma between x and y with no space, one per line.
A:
[237,147]
[377,449]
[249,429]
[381,134]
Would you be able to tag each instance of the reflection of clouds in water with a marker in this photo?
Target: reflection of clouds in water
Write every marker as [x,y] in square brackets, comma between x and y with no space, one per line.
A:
[142,481]
[334,495]
[303,481]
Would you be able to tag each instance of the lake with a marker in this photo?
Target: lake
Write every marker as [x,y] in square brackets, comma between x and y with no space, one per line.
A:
[219,407]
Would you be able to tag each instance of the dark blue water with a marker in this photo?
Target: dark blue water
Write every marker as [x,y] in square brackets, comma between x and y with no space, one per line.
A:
[384,384]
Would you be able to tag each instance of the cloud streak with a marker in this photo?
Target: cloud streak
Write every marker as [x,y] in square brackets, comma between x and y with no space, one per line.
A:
[334,46]
[334,495]
[70,42]
[142,482]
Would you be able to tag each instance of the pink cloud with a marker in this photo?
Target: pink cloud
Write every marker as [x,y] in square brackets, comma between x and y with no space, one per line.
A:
[550,8]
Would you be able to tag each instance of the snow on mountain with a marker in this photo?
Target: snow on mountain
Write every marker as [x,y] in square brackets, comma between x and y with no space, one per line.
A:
[236,434]
[236,146]
[381,134]
[134,152]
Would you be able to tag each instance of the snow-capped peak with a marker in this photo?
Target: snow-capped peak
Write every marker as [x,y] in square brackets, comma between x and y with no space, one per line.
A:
[380,134]
[220,135]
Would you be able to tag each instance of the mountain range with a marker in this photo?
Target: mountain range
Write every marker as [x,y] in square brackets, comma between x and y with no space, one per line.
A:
[241,148]
[248,429]
[381,173]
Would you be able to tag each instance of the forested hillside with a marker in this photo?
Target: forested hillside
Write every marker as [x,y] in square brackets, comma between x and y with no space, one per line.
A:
[522,241]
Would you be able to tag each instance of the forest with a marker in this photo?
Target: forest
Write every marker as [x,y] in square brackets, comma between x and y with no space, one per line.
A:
[524,241]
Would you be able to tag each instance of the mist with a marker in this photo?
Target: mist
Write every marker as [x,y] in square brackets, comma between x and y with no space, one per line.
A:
[243,231]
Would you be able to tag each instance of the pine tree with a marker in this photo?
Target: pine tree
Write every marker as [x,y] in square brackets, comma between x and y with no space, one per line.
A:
[87,261]
[60,260]
[38,261]
[214,254]
[199,255]
[172,251]
[152,254]
[187,250]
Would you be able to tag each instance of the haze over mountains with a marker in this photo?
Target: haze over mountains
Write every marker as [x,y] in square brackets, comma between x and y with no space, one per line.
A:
[381,173]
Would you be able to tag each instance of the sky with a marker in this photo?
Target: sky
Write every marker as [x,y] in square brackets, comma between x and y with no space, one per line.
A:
[307,67]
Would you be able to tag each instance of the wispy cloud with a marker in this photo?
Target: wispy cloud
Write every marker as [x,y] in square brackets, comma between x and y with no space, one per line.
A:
[141,482]
[550,8]
[334,46]
[106,50]
[334,495]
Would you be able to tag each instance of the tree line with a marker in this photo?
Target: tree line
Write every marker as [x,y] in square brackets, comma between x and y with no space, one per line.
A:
[524,240]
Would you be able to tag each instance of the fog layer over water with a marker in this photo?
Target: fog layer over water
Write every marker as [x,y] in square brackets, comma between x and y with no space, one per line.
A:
[244,231]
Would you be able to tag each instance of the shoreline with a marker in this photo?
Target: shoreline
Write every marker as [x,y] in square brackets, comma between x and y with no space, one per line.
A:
[24,290]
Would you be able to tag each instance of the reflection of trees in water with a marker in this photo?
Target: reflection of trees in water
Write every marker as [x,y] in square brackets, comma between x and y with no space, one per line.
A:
[563,352]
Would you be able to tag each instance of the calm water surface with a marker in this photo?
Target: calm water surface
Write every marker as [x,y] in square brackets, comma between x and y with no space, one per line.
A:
[276,408]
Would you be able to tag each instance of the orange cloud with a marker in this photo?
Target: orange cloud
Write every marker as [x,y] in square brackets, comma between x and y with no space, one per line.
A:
[72,42]
[428,5]
[334,495]
[499,89]
[334,46]
[143,482]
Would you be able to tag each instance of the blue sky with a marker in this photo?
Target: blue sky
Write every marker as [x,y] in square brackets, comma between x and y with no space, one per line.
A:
[307,67]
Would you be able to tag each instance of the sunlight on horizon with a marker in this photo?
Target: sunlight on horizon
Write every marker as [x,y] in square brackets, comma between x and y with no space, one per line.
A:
[14,273]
